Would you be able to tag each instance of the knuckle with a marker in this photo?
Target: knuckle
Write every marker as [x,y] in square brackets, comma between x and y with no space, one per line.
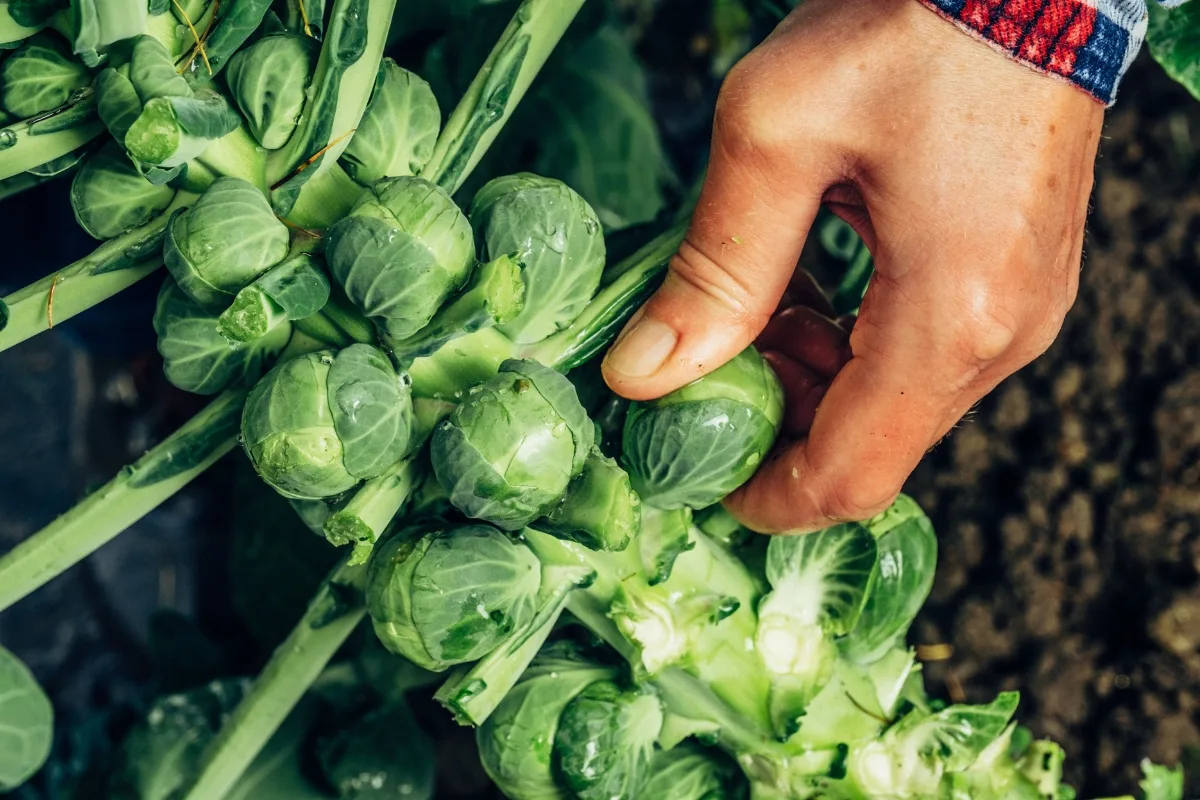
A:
[987,330]
[848,499]
[747,119]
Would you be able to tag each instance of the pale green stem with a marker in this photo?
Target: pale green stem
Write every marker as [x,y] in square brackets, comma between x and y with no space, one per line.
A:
[111,267]
[364,519]
[22,148]
[137,490]
[332,616]
[518,57]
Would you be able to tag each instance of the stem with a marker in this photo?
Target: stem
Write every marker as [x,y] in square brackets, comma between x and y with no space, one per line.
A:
[23,146]
[363,520]
[627,285]
[111,267]
[498,87]
[473,693]
[327,197]
[25,180]
[133,493]
[332,616]
[236,154]
[12,31]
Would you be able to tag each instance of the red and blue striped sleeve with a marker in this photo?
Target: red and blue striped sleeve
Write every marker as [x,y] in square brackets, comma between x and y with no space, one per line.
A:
[1087,42]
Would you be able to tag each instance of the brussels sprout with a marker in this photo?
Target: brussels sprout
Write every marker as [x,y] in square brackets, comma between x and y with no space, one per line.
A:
[508,453]
[599,510]
[152,111]
[398,130]
[699,443]
[383,755]
[555,234]
[224,242]
[691,772]
[99,24]
[39,76]
[295,289]
[819,583]
[269,81]
[28,731]
[496,293]
[450,596]
[318,424]
[109,197]
[516,742]
[401,252]
[605,741]
[198,359]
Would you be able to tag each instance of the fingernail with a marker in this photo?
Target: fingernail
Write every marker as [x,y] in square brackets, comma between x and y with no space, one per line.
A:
[643,348]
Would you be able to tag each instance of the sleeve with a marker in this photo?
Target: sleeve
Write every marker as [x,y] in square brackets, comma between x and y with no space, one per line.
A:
[1089,43]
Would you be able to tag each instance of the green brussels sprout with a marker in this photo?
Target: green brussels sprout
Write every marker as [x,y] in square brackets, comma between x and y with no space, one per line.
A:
[555,234]
[269,81]
[508,453]
[196,358]
[39,76]
[224,242]
[600,510]
[155,114]
[450,596]
[699,443]
[293,290]
[398,130]
[109,197]
[99,24]
[516,743]
[605,741]
[691,772]
[383,755]
[318,424]
[402,250]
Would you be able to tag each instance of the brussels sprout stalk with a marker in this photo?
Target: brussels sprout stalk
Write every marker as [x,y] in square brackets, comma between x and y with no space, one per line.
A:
[498,87]
[137,490]
[111,267]
[473,693]
[365,518]
[25,145]
[332,616]
[494,295]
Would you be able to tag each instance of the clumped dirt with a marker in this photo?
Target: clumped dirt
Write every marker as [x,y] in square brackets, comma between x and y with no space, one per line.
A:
[1068,505]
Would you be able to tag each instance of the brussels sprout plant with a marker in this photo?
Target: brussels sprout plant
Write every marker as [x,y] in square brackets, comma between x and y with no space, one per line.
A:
[419,381]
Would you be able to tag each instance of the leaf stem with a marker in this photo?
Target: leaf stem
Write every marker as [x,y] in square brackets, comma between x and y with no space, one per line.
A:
[332,616]
[27,144]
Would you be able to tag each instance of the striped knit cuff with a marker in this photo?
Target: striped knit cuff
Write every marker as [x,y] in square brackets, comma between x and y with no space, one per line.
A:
[1070,39]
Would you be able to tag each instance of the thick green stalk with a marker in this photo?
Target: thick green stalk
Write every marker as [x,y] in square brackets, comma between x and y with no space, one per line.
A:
[499,86]
[111,267]
[332,616]
[364,519]
[627,285]
[137,490]
[12,31]
[342,84]
[25,145]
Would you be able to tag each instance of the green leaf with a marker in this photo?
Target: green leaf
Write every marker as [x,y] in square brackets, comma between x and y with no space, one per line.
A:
[902,579]
[1161,783]
[371,408]
[152,71]
[822,578]
[605,741]
[664,536]
[26,723]
[39,77]
[109,196]
[100,23]
[1174,39]
[398,130]
[117,102]
[295,289]
[957,734]
[598,133]
[196,357]
[269,80]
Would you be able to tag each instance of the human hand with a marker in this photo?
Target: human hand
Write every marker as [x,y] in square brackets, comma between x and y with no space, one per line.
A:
[967,175]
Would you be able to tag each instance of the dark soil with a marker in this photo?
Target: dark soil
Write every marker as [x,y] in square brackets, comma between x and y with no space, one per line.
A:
[1068,504]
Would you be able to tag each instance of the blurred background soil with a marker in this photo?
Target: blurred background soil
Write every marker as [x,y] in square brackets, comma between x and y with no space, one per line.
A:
[1068,503]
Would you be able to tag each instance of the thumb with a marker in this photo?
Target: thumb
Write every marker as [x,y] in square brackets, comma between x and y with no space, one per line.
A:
[752,218]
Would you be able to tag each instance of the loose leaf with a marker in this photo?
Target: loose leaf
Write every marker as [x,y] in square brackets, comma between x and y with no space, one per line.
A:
[822,578]
[26,723]
[1174,38]
[371,409]
[39,77]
